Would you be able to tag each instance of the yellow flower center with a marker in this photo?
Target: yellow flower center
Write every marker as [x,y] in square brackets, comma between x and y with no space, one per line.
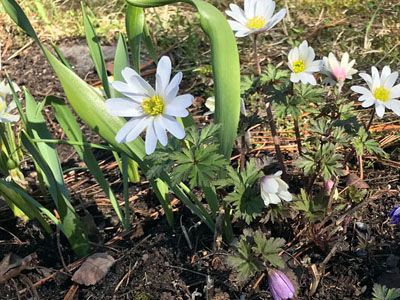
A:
[381,94]
[153,106]
[255,23]
[299,66]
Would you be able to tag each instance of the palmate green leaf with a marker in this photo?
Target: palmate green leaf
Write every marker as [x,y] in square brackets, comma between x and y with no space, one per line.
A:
[269,249]
[381,292]
[226,68]
[245,199]
[244,262]
[95,51]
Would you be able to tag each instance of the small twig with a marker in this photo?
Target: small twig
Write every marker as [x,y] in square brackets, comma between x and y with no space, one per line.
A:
[59,249]
[255,54]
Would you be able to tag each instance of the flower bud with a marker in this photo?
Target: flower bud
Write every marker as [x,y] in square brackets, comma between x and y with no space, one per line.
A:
[280,285]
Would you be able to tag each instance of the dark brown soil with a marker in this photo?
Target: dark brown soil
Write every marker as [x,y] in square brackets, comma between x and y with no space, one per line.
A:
[154,261]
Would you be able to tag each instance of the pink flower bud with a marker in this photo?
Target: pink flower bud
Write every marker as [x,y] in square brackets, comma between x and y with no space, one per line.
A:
[280,285]
[329,185]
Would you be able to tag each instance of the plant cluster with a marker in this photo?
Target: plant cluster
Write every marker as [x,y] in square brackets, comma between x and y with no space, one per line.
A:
[192,161]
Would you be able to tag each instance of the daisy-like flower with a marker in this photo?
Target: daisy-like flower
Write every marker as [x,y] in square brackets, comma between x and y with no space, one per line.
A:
[303,65]
[274,189]
[258,16]
[5,111]
[382,91]
[152,110]
[336,71]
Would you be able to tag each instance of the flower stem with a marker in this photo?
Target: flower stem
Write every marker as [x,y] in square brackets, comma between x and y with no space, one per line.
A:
[270,116]
[297,133]
[255,55]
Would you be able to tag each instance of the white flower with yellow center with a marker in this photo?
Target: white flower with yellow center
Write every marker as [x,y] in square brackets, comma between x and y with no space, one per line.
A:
[258,16]
[382,91]
[303,65]
[336,71]
[152,110]
[274,189]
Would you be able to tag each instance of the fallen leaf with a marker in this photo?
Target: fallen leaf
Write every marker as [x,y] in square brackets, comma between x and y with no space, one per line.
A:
[93,269]
[12,265]
[354,180]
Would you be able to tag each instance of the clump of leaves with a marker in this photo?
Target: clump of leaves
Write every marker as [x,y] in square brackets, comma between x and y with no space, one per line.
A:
[199,162]
[254,253]
[362,143]
[381,292]
[313,209]
[245,198]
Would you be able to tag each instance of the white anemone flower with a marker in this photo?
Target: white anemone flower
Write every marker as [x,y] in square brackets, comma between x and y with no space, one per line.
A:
[258,16]
[382,91]
[5,111]
[336,71]
[274,189]
[152,110]
[303,65]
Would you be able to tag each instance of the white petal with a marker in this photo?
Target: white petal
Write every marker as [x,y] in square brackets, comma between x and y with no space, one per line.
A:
[136,83]
[367,78]
[391,80]
[173,85]
[275,19]
[307,78]
[122,107]
[385,74]
[243,33]
[183,101]
[160,131]
[269,185]
[123,132]
[174,127]
[315,66]
[163,74]
[236,26]
[5,118]
[151,139]
[375,77]
[395,92]
[249,7]
[175,111]
[361,90]
[285,195]
[394,105]
[380,109]
[138,129]
[294,77]
[368,101]
[11,106]
[269,9]
[274,199]
[236,13]
[127,90]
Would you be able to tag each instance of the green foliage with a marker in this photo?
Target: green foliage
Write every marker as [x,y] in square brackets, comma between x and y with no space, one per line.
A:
[269,249]
[325,161]
[362,143]
[314,209]
[254,253]
[245,198]
[381,292]
[199,163]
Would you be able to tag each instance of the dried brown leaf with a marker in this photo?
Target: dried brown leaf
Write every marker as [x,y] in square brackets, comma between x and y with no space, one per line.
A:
[12,265]
[93,269]
[357,182]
